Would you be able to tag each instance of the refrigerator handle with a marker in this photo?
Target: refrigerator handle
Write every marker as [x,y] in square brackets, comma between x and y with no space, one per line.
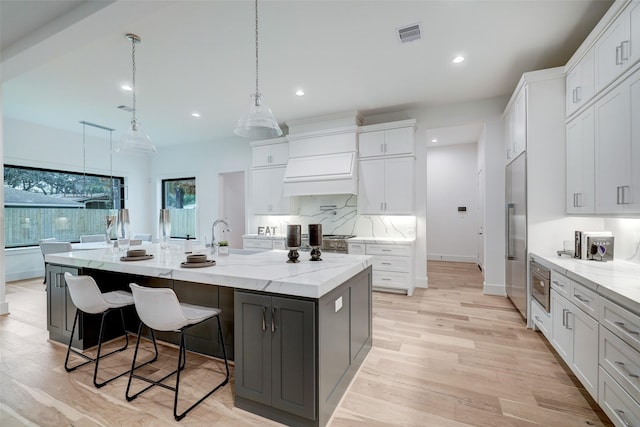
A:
[510,208]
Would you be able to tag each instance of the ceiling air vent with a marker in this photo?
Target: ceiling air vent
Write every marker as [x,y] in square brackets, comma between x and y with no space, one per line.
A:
[125,108]
[409,33]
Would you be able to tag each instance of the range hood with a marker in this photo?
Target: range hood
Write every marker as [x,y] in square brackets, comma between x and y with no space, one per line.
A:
[321,174]
[322,162]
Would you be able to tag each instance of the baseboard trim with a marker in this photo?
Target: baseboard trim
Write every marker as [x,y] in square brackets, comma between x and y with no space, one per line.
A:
[452,258]
[23,275]
[493,289]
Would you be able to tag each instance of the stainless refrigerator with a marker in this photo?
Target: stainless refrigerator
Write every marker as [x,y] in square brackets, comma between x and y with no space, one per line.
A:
[516,233]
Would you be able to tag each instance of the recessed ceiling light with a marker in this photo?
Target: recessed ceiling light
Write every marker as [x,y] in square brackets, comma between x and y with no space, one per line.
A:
[300,92]
[458,59]
[126,87]
[196,115]
[434,140]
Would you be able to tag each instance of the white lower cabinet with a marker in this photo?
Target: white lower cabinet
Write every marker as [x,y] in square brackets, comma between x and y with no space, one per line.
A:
[575,338]
[619,357]
[262,244]
[392,265]
[616,403]
[541,319]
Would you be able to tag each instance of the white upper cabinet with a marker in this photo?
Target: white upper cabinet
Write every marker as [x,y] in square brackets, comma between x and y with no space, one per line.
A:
[581,164]
[387,142]
[580,83]
[268,197]
[386,186]
[516,126]
[386,176]
[618,148]
[265,154]
[619,46]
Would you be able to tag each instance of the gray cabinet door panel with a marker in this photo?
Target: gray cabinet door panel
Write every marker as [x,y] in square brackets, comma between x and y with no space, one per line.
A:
[253,347]
[360,309]
[293,352]
[335,344]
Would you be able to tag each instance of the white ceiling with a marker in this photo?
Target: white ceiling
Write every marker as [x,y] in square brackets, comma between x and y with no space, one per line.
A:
[64,61]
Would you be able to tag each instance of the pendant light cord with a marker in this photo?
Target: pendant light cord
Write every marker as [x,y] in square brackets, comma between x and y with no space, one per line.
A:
[257,91]
[134,40]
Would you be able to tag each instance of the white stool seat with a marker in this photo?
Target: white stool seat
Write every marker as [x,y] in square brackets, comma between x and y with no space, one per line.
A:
[196,313]
[117,299]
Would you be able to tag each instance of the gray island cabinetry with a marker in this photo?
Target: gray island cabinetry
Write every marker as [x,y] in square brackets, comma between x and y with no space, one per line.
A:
[298,333]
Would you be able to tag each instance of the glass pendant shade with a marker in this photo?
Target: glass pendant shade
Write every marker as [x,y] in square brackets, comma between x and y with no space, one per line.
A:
[258,122]
[135,141]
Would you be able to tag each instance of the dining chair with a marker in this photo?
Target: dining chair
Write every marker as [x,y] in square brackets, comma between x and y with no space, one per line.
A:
[160,310]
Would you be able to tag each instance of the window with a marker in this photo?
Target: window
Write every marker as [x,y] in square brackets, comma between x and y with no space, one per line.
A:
[43,203]
[179,196]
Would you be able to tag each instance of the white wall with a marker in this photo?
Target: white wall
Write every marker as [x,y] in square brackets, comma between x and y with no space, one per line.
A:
[452,183]
[4,305]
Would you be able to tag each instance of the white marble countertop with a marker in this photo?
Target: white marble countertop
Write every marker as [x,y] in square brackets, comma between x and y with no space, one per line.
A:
[387,240]
[263,271]
[616,280]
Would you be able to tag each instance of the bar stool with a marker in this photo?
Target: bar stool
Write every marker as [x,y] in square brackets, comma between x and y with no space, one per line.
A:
[160,310]
[87,298]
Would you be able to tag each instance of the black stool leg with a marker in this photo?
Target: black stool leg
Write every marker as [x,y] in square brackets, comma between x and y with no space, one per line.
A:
[134,367]
[177,416]
[98,356]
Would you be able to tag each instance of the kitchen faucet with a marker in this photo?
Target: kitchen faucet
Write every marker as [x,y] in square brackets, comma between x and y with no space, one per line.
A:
[213,232]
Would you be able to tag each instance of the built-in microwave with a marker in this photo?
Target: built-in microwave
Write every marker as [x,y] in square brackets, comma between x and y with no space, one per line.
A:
[541,285]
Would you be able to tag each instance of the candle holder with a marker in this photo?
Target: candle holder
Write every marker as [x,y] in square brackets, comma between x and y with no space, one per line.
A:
[315,254]
[315,241]
[294,240]
[293,255]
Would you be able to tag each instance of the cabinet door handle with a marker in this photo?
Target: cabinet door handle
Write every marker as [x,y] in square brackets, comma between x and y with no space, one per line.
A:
[626,371]
[555,282]
[381,206]
[624,47]
[385,279]
[568,313]
[573,96]
[619,195]
[385,263]
[264,318]
[582,299]
[625,194]
[578,94]
[619,54]
[564,317]
[382,148]
[273,320]
[622,326]
[620,413]
[60,280]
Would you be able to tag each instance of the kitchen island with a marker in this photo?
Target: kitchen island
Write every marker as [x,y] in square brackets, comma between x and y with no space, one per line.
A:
[298,332]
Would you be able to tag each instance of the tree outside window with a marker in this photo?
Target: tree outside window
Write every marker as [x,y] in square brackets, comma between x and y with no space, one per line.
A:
[179,196]
[44,203]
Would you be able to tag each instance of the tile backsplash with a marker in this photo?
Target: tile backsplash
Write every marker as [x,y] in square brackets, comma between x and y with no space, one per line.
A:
[338,215]
[627,237]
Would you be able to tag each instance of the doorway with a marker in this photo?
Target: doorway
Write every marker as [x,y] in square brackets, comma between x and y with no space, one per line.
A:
[231,207]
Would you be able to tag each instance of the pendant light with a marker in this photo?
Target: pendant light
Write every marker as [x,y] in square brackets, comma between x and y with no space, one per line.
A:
[258,122]
[135,141]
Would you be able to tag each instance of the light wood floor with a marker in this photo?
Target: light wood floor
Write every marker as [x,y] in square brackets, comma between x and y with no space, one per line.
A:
[448,356]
